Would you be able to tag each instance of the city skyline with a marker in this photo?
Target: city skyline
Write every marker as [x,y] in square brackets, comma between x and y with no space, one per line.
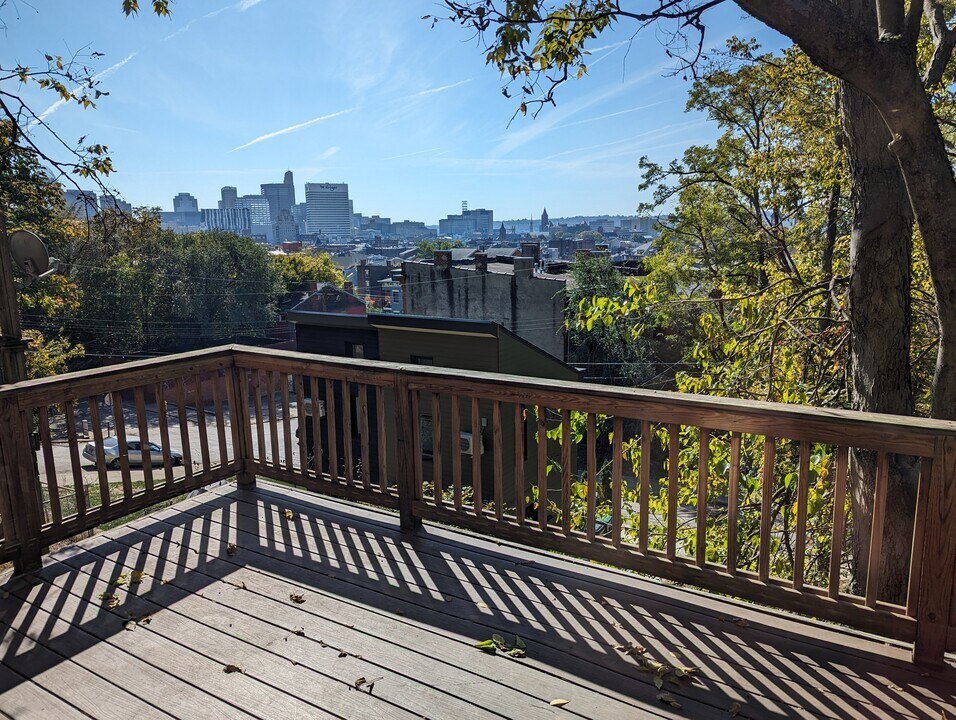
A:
[408,116]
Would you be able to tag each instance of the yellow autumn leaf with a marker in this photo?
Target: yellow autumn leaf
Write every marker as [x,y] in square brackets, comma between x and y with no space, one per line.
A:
[559,702]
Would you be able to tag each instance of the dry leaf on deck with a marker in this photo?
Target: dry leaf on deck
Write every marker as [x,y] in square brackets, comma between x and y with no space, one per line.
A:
[136,576]
[289,515]
[233,668]
[734,709]
[231,549]
[297,598]
[120,580]
[669,699]
[109,600]
[559,702]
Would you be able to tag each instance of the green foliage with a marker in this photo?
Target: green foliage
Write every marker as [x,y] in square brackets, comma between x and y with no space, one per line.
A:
[427,248]
[297,268]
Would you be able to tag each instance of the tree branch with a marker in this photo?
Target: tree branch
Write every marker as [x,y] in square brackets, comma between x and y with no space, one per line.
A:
[944,39]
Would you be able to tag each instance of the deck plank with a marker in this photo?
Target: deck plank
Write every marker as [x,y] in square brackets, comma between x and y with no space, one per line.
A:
[718,661]
[406,607]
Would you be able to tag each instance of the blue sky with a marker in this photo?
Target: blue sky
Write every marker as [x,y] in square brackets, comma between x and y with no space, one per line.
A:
[363,92]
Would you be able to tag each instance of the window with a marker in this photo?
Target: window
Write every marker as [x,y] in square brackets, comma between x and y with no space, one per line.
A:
[355,350]
[422,360]
[134,446]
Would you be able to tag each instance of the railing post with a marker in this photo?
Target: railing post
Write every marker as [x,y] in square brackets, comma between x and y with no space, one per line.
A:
[408,490]
[18,474]
[939,550]
[238,397]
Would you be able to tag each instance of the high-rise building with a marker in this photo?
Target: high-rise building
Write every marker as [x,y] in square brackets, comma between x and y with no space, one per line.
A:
[229,195]
[81,203]
[184,202]
[259,221]
[284,228]
[281,196]
[470,223]
[327,210]
[235,220]
[111,202]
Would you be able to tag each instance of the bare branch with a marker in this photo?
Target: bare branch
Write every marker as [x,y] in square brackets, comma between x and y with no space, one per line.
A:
[944,39]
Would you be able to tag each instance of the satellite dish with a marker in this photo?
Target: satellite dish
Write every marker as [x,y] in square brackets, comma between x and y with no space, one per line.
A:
[29,253]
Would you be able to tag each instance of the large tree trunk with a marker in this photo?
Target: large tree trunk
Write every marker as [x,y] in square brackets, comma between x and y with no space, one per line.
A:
[879,309]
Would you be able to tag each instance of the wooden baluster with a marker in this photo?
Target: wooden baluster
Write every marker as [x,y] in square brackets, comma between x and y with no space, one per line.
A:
[200,405]
[542,467]
[703,476]
[363,435]
[289,464]
[417,475]
[520,449]
[644,509]
[733,502]
[261,455]
[408,454]
[617,461]
[766,502]
[499,452]
[164,433]
[96,427]
[383,439]
[316,427]
[919,537]
[673,460]
[456,450]
[803,487]
[273,417]
[237,390]
[476,441]
[839,521]
[876,529]
[302,429]
[346,388]
[49,466]
[73,439]
[142,425]
[592,476]
[566,471]
[330,423]
[184,428]
[436,449]
[217,381]
[121,447]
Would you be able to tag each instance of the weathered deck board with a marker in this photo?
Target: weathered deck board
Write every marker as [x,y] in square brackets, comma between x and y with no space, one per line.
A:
[405,608]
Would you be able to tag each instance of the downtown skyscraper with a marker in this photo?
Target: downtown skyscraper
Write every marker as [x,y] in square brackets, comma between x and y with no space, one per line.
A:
[327,210]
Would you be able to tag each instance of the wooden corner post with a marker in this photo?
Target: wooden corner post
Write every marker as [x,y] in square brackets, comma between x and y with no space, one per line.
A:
[20,483]
[939,556]
[238,397]
[408,488]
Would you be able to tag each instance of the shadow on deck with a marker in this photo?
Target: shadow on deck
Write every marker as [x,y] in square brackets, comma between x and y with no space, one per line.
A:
[310,604]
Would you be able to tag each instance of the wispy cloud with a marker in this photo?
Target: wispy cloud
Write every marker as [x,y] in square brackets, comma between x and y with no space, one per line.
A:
[610,115]
[328,153]
[293,128]
[412,154]
[246,4]
[99,76]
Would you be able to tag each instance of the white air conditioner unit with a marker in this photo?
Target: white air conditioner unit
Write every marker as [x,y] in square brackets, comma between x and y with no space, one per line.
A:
[468,446]
[307,407]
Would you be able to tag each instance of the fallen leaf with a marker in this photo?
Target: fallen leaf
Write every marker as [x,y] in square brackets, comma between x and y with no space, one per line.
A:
[740,622]
[233,669]
[343,654]
[482,604]
[487,646]
[145,620]
[231,549]
[297,598]
[120,580]
[499,641]
[658,682]
[136,576]
[669,699]
[519,643]
[129,625]
[109,599]
[517,653]
[559,702]
[631,649]
[891,686]
[734,709]
[298,631]
[289,515]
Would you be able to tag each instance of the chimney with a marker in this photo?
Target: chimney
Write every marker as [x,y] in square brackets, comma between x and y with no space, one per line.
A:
[349,287]
[362,277]
[481,262]
[442,260]
[523,266]
[531,250]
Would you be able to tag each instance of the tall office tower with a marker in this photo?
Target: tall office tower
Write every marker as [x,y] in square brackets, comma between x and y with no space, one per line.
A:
[234,220]
[284,228]
[327,210]
[478,222]
[259,221]
[281,196]
[111,202]
[184,202]
[80,203]
[229,195]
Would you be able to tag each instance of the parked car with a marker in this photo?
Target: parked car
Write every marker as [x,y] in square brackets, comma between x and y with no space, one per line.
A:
[111,452]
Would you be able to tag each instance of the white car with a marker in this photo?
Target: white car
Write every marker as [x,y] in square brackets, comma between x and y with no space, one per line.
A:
[111,452]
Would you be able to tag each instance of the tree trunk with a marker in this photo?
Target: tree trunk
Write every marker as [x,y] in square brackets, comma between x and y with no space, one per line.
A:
[879,309]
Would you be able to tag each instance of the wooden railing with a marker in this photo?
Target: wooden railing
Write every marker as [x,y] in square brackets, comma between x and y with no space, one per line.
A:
[743,498]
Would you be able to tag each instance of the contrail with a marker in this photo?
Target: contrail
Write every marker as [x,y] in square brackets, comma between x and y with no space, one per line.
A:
[99,76]
[293,128]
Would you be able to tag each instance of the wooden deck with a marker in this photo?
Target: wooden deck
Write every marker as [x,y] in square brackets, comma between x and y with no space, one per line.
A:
[309,604]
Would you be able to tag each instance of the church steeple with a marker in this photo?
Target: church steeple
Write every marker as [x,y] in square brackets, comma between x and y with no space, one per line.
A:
[545,223]
[502,233]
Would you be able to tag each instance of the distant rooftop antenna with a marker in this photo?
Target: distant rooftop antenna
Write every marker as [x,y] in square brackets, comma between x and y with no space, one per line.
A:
[464,206]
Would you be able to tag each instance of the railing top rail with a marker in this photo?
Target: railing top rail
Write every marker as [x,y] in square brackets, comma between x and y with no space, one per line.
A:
[892,433]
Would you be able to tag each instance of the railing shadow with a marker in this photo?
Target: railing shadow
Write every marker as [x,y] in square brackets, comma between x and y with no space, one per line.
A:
[575,620]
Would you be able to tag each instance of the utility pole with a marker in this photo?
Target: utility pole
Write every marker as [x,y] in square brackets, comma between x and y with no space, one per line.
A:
[13,365]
